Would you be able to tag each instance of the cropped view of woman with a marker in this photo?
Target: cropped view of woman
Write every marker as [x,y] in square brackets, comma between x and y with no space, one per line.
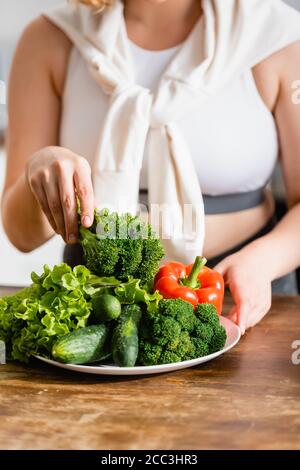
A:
[170,101]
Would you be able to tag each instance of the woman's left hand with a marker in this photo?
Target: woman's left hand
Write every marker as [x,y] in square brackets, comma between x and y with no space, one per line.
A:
[250,285]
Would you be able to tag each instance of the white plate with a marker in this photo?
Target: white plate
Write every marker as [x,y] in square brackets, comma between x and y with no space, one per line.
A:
[233,337]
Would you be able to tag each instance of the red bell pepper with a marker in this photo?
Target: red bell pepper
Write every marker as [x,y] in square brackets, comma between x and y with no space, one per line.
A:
[195,283]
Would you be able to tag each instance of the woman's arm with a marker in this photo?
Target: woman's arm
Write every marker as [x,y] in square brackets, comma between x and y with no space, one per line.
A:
[282,246]
[39,194]
[250,271]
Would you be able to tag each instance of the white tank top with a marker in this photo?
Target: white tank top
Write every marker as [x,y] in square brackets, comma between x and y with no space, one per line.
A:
[232,138]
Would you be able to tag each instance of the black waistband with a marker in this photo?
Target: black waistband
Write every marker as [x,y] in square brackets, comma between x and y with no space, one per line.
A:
[226,203]
[233,202]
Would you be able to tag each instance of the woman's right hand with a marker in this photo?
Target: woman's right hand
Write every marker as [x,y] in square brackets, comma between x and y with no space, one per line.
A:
[57,177]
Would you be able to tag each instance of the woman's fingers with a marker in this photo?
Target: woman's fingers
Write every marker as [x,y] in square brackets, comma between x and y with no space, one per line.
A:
[232,315]
[51,189]
[69,205]
[221,267]
[242,314]
[252,295]
[41,197]
[57,176]
[240,310]
[85,192]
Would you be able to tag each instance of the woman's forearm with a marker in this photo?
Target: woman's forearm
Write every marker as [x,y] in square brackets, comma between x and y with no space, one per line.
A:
[24,222]
[279,250]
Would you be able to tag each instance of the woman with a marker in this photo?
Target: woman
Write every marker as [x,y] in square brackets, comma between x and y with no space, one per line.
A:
[57,109]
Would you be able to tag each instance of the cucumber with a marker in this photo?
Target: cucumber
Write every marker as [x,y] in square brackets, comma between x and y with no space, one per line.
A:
[82,346]
[106,307]
[125,341]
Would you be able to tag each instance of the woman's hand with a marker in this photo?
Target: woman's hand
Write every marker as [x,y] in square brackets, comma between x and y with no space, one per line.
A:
[56,177]
[249,282]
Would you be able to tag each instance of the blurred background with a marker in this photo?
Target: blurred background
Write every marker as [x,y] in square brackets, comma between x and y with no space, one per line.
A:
[15,268]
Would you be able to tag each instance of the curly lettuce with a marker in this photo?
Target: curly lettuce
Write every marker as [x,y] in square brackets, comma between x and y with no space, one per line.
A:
[54,305]
[57,303]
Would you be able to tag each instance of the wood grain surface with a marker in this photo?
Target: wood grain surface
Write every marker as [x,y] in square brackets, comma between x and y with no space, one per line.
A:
[248,398]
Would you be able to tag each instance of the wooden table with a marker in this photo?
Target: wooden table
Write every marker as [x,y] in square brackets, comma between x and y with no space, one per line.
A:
[248,398]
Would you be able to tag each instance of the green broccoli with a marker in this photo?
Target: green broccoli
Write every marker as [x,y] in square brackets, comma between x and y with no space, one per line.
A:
[218,340]
[201,347]
[204,331]
[168,357]
[152,253]
[182,311]
[127,261]
[121,246]
[166,332]
[209,318]
[186,346]
[149,353]
[174,332]
[101,256]
[207,313]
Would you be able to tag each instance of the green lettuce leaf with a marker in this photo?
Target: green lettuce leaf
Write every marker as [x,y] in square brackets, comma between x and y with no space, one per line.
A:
[131,292]
[53,306]
[58,302]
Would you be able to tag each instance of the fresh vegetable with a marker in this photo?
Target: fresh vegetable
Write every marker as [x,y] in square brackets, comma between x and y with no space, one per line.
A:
[106,307]
[53,306]
[176,332]
[121,246]
[209,329]
[83,314]
[58,302]
[125,342]
[193,283]
[131,292]
[82,346]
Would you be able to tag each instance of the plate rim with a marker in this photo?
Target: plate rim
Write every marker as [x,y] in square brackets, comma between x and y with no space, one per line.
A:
[144,370]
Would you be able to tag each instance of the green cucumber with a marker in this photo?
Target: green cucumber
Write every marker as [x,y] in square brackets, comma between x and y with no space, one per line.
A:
[82,346]
[106,307]
[125,341]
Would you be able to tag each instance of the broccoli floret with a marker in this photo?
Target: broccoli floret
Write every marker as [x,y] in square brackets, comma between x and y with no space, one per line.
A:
[201,348]
[182,311]
[130,257]
[121,246]
[149,353]
[186,347]
[204,331]
[168,357]
[208,316]
[170,307]
[166,332]
[207,313]
[152,253]
[218,340]
[174,332]
[186,317]
[130,244]
[101,256]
